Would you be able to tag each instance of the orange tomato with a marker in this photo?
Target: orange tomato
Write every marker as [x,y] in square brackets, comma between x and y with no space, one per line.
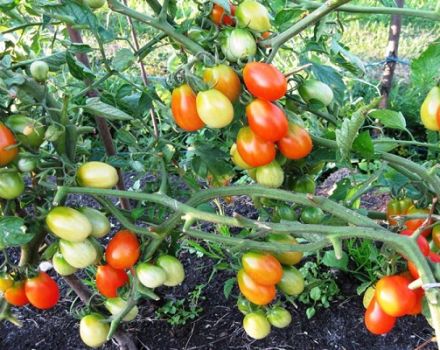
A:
[254,292]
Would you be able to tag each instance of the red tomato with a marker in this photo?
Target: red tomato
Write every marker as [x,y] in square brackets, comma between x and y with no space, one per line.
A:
[264,81]
[413,270]
[421,241]
[253,149]
[123,250]
[108,280]
[219,17]
[267,120]
[42,291]
[418,306]
[183,106]
[434,257]
[254,292]
[16,295]
[376,320]
[414,224]
[262,268]
[7,140]
[297,144]
[394,296]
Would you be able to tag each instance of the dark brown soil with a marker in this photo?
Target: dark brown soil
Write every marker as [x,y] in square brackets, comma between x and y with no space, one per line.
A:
[219,324]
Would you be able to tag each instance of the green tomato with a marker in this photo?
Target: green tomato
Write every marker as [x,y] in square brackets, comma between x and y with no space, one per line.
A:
[78,254]
[97,175]
[238,44]
[11,185]
[284,213]
[39,70]
[68,224]
[95,4]
[173,268]
[61,266]
[116,305]
[314,91]
[100,224]
[244,305]
[151,276]
[26,165]
[279,317]
[93,330]
[304,184]
[253,15]
[256,325]
[292,282]
[270,175]
[252,173]
[311,215]
[27,130]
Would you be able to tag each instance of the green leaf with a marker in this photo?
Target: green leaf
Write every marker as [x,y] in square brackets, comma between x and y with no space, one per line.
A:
[363,145]
[123,59]
[310,312]
[215,161]
[346,59]
[426,68]
[96,107]
[385,144]
[315,293]
[13,232]
[332,78]
[330,260]
[390,119]
[77,69]
[227,287]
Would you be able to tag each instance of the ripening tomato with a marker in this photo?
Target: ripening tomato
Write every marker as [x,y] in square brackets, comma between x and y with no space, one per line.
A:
[313,91]
[292,282]
[108,280]
[218,15]
[264,81]
[430,110]
[42,291]
[5,282]
[244,305]
[436,235]
[368,296]
[253,149]
[376,320]
[100,224]
[173,269]
[68,224]
[78,254]
[414,224]
[304,184]
[7,140]
[297,144]
[150,275]
[253,15]
[116,305]
[29,131]
[279,317]
[97,175]
[267,120]
[11,185]
[422,242]
[263,268]
[236,158]
[397,207]
[123,250]
[270,175]
[254,292]
[93,330]
[214,108]
[224,79]
[184,108]
[237,44]
[26,165]
[256,325]
[61,266]
[16,294]
[413,270]
[285,258]
[434,257]
[418,305]
[39,70]
[394,296]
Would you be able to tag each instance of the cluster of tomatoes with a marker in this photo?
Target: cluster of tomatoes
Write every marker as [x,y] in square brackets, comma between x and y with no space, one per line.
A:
[258,279]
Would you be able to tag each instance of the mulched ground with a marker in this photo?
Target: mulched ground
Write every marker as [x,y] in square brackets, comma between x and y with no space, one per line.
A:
[219,324]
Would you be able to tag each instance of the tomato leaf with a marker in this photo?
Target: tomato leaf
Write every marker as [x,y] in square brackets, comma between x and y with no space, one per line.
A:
[330,260]
[227,287]
[77,69]
[13,232]
[363,144]
[425,69]
[123,59]
[390,119]
[96,107]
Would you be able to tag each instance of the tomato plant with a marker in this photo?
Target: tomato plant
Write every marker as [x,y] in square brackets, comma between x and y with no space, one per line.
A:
[123,250]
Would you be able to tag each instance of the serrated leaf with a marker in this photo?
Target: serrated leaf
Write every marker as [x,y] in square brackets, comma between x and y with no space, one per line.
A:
[77,69]
[96,107]
[348,132]
[389,119]
[228,286]
[363,145]
[13,232]
[123,59]
[426,68]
